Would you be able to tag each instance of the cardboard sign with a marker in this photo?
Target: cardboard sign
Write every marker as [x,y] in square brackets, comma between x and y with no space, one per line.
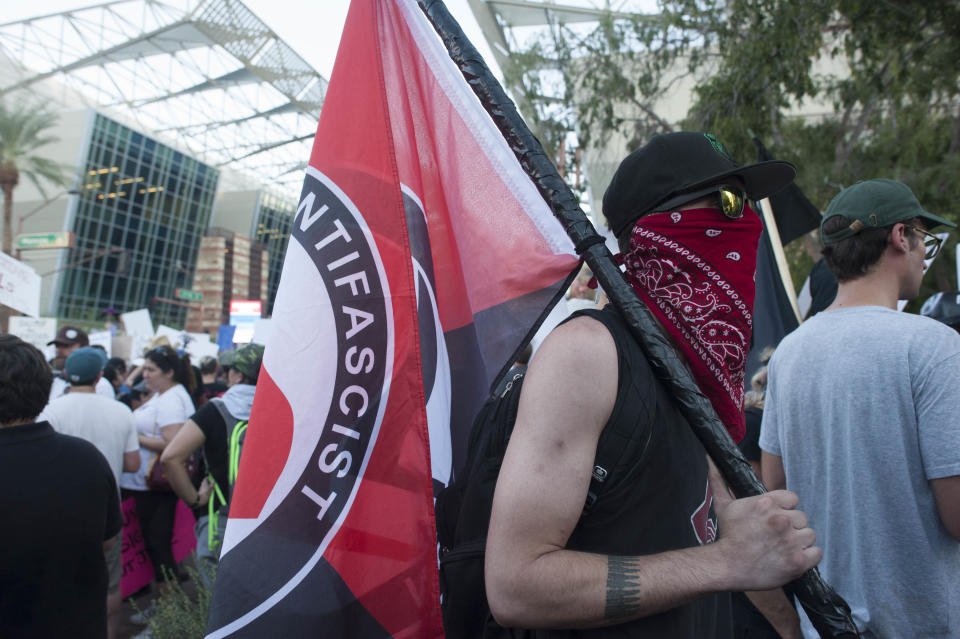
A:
[19,286]
[137,568]
[121,346]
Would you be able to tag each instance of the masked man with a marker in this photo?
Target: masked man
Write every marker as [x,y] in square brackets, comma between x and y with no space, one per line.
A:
[655,549]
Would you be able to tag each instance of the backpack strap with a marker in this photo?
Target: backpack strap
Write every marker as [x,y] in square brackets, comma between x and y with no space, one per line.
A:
[228,419]
[236,444]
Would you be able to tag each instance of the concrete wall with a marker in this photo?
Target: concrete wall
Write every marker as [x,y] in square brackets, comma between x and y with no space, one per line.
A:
[235,210]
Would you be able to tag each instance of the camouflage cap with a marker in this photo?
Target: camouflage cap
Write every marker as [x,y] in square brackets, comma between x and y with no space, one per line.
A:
[248,360]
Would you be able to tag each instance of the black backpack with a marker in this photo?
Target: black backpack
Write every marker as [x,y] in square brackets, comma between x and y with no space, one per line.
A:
[463,512]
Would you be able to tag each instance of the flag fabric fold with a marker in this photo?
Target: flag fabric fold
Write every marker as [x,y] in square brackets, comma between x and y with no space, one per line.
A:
[420,256]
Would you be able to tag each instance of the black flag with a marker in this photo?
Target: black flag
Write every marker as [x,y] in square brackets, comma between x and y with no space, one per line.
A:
[773,315]
[794,213]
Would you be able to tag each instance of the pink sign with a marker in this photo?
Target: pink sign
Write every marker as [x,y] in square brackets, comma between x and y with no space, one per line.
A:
[137,569]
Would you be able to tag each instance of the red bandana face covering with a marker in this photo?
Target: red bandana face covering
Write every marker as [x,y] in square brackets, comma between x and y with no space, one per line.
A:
[694,270]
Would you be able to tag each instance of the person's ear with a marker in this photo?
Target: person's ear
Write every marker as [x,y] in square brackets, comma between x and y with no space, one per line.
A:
[899,237]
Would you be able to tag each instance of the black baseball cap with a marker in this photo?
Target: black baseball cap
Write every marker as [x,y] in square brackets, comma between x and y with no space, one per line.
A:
[674,168]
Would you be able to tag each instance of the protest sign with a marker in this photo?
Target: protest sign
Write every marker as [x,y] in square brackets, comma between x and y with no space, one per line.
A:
[35,330]
[19,286]
[137,568]
[174,335]
[137,322]
[261,331]
[102,338]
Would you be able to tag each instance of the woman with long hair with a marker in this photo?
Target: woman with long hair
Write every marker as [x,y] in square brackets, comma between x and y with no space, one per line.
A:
[170,379]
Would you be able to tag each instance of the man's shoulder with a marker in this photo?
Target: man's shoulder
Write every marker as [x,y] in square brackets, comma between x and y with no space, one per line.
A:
[585,335]
[105,406]
[115,406]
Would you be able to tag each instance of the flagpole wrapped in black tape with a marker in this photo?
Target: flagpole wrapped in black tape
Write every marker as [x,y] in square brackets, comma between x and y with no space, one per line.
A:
[829,613]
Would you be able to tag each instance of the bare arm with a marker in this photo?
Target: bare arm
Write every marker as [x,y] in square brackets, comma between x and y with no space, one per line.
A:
[777,609]
[946,493]
[533,581]
[772,475]
[188,440]
[132,375]
[131,461]
[157,444]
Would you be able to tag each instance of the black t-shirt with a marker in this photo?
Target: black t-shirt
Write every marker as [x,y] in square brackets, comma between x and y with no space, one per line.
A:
[750,444]
[657,497]
[214,389]
[216,446]
[59,503]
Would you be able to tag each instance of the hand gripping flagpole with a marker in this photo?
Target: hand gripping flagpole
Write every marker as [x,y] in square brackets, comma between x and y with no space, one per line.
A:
[829,613]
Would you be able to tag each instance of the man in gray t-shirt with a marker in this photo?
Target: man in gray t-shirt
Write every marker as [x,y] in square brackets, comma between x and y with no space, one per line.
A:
[861,422]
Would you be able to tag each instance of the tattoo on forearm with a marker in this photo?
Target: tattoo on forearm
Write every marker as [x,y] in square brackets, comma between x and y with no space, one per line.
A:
[623,589]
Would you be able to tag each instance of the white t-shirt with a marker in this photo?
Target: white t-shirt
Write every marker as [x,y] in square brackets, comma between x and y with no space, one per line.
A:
[105,423]
[60,386]
[173,407]
[105,388]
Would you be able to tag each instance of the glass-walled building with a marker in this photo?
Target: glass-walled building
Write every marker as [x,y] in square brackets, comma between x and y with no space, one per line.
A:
[138,223]
[273,222]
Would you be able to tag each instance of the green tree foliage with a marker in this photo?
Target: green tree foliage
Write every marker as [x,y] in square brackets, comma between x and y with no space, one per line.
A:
[895,97]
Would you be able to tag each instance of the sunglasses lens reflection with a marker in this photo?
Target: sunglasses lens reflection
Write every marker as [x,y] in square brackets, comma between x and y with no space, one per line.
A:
[731,203]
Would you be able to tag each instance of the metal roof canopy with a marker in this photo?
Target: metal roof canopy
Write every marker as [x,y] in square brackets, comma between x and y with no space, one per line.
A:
[526,13]
[214,78]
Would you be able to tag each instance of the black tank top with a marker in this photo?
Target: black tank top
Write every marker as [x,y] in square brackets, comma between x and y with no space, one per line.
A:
[657,498]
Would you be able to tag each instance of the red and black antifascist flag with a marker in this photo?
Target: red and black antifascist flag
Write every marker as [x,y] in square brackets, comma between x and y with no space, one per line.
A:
[420,256]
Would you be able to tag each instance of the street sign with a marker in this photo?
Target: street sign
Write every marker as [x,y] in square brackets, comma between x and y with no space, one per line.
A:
[190,296]
[27,241]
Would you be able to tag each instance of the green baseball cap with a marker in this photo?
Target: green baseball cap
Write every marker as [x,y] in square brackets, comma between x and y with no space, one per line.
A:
[875,204]
[83,365]
[248,360]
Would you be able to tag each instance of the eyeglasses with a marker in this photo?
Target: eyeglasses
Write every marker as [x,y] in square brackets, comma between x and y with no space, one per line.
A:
[931,243]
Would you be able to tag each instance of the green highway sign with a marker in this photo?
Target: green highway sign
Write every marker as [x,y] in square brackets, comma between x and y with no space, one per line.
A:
[190,296]
[26,241]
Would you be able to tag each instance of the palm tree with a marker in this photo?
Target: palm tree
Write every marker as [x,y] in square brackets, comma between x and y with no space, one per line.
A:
[23,130]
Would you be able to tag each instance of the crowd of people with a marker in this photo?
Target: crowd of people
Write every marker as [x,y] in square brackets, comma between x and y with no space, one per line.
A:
[852,427]
[84,432]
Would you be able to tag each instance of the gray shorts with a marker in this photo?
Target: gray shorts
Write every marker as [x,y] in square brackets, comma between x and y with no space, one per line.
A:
[114,564]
